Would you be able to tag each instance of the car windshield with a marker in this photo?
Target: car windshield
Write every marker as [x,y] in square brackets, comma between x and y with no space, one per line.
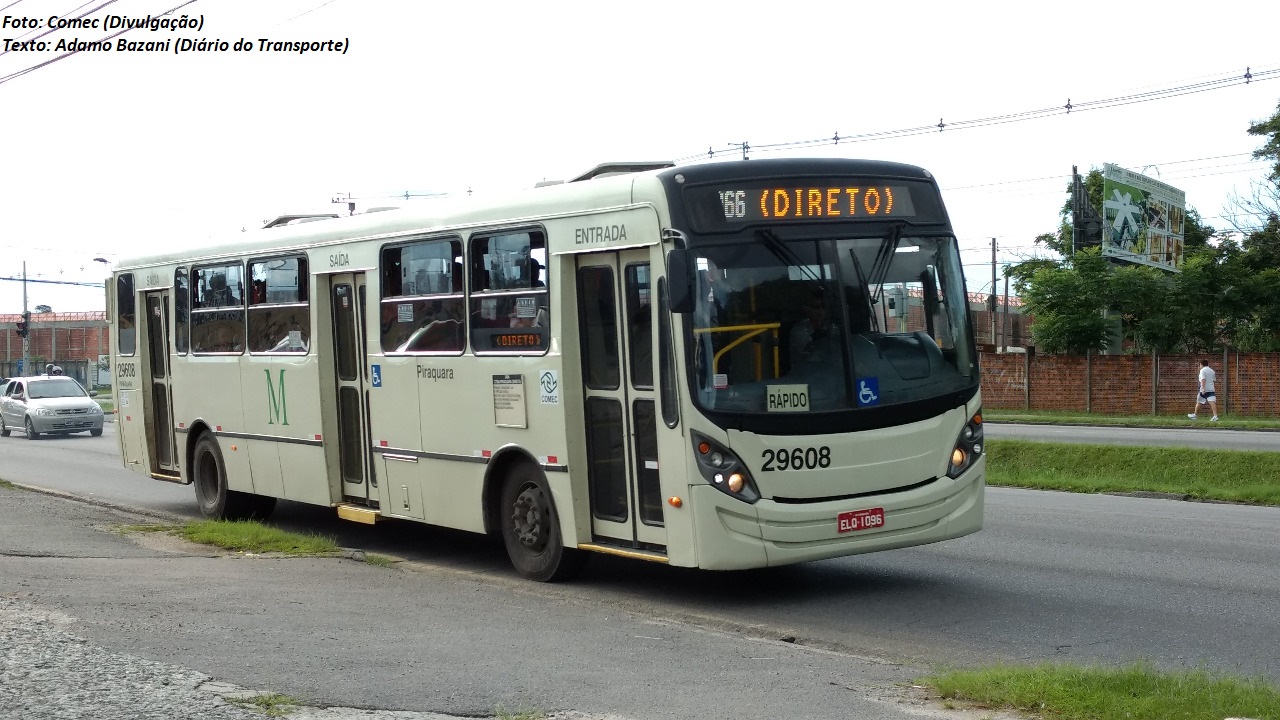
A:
[828,324]
[58,388]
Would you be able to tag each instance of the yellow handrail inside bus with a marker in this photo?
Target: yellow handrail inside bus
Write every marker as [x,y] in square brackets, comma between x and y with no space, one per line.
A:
[748,332]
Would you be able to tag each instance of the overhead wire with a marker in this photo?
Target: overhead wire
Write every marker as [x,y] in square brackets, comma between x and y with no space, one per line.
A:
[33,68]
[53,29]
[1222,82]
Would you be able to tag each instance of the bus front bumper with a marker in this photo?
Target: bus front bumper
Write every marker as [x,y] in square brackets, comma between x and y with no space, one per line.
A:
[732,535]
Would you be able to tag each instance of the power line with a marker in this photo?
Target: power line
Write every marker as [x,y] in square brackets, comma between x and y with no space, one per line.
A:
[54,29]
[33,68]
[52,282]
[1218,84]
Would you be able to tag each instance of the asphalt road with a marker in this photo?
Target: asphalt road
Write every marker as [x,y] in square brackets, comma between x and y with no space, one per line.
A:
[1053,576]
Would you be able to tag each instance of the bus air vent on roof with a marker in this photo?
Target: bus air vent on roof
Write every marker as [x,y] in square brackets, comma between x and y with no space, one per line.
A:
[622,168]
[292,219]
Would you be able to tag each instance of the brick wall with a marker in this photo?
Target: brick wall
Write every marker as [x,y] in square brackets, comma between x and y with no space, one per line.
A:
[56,337]
[1129,384]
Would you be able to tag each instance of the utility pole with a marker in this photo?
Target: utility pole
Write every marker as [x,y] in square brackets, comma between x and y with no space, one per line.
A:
[994,288]
[26,338]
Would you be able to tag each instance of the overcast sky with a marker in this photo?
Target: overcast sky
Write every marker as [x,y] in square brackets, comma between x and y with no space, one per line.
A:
[105,154]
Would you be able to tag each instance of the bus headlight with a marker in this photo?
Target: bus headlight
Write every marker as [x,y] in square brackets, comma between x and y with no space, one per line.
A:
[723,470]
[968,447]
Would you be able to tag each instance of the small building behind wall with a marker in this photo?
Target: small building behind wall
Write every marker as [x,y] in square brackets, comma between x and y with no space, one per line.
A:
[73,341]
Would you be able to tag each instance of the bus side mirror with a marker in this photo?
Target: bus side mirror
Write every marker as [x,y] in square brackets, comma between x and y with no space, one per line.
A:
[679,281]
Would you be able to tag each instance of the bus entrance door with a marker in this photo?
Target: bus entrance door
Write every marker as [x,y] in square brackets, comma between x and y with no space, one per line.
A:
[347,298]
[164,461]
[615,310]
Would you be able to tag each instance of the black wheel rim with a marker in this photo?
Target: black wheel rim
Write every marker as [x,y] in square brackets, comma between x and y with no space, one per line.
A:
[531,519]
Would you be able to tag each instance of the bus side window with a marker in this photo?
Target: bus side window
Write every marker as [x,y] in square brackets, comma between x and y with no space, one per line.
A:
[423,310]
[509,290]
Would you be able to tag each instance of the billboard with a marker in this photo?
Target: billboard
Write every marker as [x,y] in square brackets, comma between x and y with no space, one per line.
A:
[1144,219]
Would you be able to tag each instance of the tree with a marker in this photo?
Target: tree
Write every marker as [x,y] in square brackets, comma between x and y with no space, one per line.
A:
[1262,204]
[1269,128]
[1068,301]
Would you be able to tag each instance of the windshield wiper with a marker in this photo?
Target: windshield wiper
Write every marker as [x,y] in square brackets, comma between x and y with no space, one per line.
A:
[863,287]
[784,253]
[884,258]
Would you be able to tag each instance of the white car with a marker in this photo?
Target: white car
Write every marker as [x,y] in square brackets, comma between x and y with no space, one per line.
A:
[50,404]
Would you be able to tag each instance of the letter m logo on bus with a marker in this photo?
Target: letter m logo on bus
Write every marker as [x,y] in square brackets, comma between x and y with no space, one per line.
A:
[277,412]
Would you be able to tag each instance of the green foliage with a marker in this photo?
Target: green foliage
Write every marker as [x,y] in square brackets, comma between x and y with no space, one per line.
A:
[1068,303]
[1270,129]
[1224,295]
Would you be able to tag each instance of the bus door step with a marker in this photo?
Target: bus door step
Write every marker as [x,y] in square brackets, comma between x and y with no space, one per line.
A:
[358,513]
[629,552]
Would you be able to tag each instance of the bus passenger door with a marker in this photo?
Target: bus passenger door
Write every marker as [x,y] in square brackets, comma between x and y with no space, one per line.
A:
[164,460]
[615,311]
[347,299]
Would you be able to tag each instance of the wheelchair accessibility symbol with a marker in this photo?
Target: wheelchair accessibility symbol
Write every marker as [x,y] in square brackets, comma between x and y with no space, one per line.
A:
[376,375]
[868,391]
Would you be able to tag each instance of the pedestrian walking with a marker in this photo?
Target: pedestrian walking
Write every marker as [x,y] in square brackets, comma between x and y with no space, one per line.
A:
[1206,394]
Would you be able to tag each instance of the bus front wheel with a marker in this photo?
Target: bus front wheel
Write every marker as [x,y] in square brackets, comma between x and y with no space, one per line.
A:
[531,528]
[216,502]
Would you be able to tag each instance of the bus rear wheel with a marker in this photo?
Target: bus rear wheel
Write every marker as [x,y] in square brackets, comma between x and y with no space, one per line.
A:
[209,475]
[531,528]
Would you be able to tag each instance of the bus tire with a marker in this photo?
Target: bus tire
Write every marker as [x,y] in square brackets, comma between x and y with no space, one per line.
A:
[209,475]
[531,528]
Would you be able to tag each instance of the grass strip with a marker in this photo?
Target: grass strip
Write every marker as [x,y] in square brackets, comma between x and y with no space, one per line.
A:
[254,537]
[1136,692]
[1223,475]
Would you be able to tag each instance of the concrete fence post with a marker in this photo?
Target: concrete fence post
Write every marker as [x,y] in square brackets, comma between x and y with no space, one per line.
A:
[1088,381]
[1026,380]
[1155,382]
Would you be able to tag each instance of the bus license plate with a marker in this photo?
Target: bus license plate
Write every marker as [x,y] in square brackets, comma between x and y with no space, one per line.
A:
[860,520]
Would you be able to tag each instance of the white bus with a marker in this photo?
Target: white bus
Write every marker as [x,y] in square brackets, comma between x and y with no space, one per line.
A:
[723,365]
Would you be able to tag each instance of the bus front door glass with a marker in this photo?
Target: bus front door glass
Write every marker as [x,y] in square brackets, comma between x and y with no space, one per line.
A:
[346,299]
[616,316]
[156,327]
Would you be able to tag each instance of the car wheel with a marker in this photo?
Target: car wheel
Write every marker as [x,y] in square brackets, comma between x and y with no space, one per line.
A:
[96,432]
[4,429]
[31,430]
[209,475]
[531,528]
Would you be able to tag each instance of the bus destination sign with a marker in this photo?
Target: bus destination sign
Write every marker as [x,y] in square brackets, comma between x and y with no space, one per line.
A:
[787,202]
[517,341]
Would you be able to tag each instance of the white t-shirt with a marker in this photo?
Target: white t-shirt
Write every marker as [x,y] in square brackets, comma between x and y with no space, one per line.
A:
[1207,376]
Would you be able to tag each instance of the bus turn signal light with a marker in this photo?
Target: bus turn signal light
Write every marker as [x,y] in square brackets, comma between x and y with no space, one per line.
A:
[674,501]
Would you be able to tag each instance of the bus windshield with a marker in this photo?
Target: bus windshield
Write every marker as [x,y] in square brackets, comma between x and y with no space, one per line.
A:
[826,323]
